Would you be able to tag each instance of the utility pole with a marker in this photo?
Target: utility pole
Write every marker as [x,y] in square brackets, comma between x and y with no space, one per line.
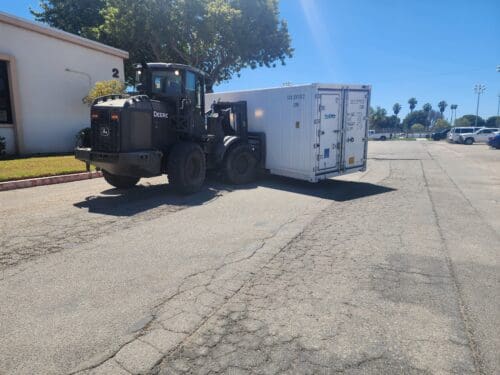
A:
[478,89]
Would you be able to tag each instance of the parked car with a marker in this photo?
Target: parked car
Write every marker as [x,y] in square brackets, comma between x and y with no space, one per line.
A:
[379,136]
[454,134]
[481,135]
[494,141]
[437,136]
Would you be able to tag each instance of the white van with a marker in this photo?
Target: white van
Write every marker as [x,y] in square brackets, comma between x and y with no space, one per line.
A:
[454,134]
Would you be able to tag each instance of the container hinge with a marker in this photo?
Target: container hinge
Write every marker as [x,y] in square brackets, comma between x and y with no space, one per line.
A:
[317,121]
[316,145]
[321,108]
[320,133]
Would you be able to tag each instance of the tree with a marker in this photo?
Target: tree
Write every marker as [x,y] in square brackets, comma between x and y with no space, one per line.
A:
[416,117]
[377,118]
[413,103]
[220,37]
[493,122]
[74,16]
[396,108]
[417,128]
[441,124]
[442,106]
[427,107]
[102,88]
[469,120]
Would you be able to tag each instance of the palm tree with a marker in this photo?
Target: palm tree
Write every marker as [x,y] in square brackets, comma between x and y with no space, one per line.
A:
[413,103]
[427,108]
[396,108]
[442,106]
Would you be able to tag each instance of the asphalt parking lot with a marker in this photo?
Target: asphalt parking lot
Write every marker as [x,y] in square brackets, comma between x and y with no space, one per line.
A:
[392,271]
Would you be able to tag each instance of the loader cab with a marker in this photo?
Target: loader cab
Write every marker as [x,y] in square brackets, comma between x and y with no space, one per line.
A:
[178,83]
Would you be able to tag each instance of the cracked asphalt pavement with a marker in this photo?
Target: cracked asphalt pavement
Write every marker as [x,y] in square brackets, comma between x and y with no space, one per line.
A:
[392,271]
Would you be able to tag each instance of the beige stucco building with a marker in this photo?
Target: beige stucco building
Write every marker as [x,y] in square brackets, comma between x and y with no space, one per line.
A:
[44,75]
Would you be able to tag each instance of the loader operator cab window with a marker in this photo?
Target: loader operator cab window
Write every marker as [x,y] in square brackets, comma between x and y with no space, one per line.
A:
[194,90]
[167,82]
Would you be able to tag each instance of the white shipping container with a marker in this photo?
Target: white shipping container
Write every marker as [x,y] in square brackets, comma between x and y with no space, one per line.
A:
[313,131]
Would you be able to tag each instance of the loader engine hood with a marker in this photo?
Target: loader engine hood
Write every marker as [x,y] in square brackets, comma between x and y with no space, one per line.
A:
[127,124]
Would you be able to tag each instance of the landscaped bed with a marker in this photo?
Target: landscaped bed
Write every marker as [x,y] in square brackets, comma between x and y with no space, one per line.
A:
[22,168]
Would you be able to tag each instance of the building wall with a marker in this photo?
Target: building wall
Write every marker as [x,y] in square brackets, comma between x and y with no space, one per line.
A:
[53,76]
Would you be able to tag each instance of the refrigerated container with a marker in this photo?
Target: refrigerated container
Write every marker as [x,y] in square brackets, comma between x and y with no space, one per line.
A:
[312,132]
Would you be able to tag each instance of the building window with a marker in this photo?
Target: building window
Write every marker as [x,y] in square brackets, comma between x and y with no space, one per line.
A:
[5,105]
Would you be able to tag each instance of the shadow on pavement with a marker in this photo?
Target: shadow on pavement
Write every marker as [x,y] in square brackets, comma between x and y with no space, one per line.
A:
[336,190]
[129,202]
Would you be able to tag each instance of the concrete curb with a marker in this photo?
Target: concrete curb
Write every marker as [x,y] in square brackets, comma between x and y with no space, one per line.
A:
[32,182]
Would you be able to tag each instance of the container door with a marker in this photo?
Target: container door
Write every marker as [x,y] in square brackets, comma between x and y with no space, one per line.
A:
[329,130]
[355,129]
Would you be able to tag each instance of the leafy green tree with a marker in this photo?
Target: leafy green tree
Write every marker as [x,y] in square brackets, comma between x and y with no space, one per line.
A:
[417,128]
[469,120]
[427,107]
[415,117]
[392,123]
[102,88]
[441,124]
[377,118]
[74,16]
[413,103]
[442,106]
[462,121]
[493,122]
[220,37]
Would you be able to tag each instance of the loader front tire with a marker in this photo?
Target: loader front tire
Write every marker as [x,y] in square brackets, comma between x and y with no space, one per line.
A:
[186,167]
[120,182]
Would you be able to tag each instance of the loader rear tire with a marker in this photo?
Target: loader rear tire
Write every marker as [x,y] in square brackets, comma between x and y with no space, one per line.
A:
[240,165]
[186,167]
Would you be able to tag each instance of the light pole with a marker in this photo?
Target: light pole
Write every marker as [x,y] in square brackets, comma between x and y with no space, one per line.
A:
[478,89]
[453,108]
[498,108]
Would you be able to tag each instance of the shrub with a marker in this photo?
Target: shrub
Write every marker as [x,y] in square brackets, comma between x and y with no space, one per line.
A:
[417,128]
[102,88]
[83,138]
[2,146]
[441,124]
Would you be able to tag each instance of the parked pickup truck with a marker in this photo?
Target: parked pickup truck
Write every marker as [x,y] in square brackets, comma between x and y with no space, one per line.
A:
[481,135]
[379,136]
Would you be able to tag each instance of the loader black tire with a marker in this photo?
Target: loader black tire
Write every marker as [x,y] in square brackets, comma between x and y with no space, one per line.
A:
[186,167]
[240,165]
[120,182]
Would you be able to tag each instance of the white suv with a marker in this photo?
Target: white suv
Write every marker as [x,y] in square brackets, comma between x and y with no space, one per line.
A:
[481,135]
[454,134]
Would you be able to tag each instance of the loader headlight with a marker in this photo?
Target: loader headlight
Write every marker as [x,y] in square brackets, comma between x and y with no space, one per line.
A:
[115,117]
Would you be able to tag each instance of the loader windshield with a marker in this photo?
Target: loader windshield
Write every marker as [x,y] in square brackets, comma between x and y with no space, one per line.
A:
[166,82]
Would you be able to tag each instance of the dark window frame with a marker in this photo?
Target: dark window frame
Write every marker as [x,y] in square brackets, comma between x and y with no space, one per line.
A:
[5,93]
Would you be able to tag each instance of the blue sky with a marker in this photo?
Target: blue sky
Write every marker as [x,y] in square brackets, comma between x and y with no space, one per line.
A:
[429,49]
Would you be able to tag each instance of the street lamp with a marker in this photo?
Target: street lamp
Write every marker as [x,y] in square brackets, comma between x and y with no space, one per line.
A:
[478,89]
